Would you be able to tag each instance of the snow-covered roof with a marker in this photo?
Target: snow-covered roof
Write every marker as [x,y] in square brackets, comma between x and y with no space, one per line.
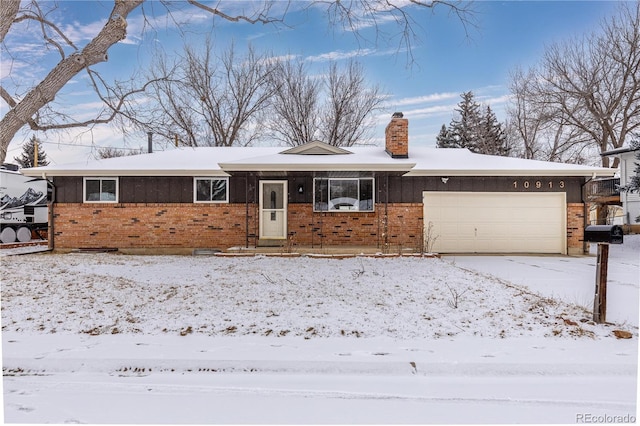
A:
[221,161]
[462,162]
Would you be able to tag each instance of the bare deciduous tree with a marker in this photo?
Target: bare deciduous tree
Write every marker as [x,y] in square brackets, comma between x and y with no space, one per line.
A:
[207,100]
[348,114]
[585,92]
[110,152]
[537,130]
[27,107]
[294,119]
[336,107]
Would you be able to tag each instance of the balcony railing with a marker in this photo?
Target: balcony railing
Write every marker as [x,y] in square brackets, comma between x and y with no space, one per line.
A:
[602,189]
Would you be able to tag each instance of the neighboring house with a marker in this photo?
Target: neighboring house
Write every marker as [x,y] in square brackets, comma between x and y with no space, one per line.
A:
[630,200]
[316,195]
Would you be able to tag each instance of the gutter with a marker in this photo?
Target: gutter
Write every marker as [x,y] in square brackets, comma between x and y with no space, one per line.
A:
[50,215]
[125,172]
[601,172]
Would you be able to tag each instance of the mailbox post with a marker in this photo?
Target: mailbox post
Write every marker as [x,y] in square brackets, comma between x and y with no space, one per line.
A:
[603,235]
[600,299]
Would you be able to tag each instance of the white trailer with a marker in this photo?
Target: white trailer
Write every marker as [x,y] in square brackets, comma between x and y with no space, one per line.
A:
[23,206]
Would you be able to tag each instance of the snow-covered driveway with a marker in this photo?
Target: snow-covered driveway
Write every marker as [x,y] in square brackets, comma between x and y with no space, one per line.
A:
[572,279]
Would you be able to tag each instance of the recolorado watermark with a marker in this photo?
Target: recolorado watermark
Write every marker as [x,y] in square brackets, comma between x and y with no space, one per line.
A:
[604,418]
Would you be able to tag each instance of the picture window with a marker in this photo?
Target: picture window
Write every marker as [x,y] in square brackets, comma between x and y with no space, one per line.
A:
[354,194]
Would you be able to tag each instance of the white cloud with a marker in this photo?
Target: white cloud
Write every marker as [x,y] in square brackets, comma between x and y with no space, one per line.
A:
[338,55]
[425,99]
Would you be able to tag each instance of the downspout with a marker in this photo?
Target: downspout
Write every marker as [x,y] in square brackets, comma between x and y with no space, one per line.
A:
[313,206]
[378,198]
[50,228]
[246,211]
[585,211]
[386,212]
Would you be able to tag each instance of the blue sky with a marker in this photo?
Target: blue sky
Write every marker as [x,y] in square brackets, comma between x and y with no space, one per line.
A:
[448,60]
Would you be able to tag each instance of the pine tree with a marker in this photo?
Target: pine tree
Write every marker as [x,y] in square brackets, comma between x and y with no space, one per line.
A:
[493,139]
[444,139]
[465,130]
[28,154]
[478,131]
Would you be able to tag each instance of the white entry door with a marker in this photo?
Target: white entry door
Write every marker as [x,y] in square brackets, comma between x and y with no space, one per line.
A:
[273,209]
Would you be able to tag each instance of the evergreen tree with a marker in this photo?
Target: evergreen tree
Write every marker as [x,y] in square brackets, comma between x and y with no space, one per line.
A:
[28,154]
[444,139]
[465,131]
[478,131]
[493,139]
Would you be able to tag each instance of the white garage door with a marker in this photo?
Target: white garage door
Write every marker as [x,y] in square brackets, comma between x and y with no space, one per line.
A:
[496,222]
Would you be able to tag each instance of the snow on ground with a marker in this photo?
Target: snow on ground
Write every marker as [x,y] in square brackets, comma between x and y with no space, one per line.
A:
[263,296]
[109,338]
[572,279]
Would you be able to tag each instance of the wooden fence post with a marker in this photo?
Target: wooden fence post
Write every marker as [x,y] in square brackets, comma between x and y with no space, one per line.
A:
[600,299]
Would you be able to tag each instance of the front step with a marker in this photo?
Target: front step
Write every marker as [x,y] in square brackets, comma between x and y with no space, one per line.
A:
[271,243]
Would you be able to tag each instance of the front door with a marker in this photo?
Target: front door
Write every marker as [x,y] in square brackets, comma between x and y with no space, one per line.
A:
[273,209]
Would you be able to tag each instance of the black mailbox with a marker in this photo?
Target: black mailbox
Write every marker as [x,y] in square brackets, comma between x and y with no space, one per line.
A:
[603,234]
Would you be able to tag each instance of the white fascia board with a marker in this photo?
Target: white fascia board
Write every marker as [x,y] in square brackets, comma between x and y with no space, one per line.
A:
[599,172]
[340,167]
[39,172]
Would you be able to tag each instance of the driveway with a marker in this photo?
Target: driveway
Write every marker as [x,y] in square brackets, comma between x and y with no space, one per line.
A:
[571,278]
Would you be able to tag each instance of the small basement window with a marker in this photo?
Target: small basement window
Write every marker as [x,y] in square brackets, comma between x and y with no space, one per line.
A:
[343,194]
[211,190]
[100,190]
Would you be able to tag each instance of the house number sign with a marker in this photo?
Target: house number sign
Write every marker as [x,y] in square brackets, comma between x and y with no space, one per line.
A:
[538,184]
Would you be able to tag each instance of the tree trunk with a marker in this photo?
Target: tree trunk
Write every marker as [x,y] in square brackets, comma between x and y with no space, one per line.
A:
[8,13]
[96,51]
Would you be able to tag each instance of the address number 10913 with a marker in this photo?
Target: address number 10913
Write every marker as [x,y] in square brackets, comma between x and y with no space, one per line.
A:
[538,184]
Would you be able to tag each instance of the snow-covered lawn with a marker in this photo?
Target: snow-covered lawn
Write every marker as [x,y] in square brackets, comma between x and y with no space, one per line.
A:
[272,296]
[109,338]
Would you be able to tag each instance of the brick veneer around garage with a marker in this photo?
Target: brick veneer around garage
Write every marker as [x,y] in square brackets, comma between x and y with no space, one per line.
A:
[575,229]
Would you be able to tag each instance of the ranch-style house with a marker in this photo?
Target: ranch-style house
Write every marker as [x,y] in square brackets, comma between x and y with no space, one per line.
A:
[401,197]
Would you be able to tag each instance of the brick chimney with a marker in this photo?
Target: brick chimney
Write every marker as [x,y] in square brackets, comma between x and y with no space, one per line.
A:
[397,136]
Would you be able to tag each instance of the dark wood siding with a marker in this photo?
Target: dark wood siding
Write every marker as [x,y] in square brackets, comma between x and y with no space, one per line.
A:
[131,189]
[68,189]
[409,189]
[244,187]
[161,189]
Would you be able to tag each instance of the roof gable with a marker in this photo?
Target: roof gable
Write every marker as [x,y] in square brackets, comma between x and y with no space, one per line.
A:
[316,148]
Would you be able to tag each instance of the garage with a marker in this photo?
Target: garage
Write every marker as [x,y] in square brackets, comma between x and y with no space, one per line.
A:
[496,222]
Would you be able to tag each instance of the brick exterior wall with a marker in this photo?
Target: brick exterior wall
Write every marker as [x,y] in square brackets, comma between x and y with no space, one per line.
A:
[157,226]
[185,226]
[392,227]
[575,229]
